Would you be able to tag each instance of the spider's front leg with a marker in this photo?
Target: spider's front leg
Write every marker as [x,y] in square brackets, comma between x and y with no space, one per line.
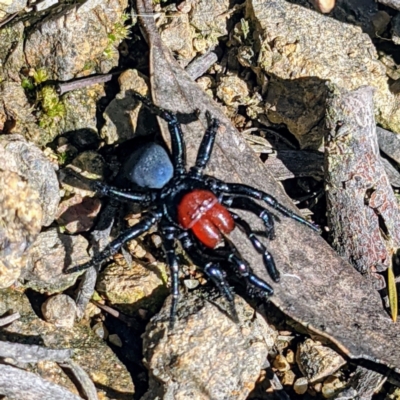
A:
[123,194]
[248,191]
[147,221]
[174,127]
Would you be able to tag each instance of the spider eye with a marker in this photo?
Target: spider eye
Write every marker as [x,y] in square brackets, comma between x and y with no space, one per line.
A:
[149,166]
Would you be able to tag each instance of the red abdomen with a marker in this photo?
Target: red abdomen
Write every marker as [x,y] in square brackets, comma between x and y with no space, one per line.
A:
[201,212]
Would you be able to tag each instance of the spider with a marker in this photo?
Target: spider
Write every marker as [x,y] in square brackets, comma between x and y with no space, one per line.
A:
[192,208]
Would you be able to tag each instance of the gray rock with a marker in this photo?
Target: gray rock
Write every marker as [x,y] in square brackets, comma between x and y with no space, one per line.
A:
[134,287]
[27,160]
[89,351]
[51,254]
[300,51]
[207,355]
[59,310]
[317,361]
[20,223]
[72,43]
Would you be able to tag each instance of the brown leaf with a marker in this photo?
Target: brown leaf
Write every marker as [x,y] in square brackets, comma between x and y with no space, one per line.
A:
[318,288]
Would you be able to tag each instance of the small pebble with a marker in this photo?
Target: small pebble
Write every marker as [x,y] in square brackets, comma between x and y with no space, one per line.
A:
[280,363]
[288,378]
[100,330]
[301,385]
[60,310]
[291,357]
[115,340]
[331,385]
[324,6]
[191,283]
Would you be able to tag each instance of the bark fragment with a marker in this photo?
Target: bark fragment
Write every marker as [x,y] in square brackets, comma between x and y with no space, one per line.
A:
[363,213]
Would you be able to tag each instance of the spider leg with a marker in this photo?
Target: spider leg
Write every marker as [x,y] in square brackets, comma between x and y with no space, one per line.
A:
[245,190]
[256,286]
[244,203]
[261,249]
[168,238]
[123,194]
[174,127]
[206,146]
[142,226]
[210,266]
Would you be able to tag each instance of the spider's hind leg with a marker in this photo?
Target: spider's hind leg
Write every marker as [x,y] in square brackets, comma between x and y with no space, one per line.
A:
[210,265]
[261,249]
[141,227]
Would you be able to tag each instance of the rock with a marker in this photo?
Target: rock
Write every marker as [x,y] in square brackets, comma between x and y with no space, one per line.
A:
[59,310]
[12,58]
[233,91]
[289,378]
[178,35]
[280,363]
[100,330]
[121,115]
[300,51]
[300,386]
[209,18]
[52,253]
[134,287]
[207,355]
[90,166]
[28,161]
[324,6]
[21,218]
[396,29]
[81,108]
[72,43]
[317,361]
[11,7]
[90,352]
[331,386]
[391,3]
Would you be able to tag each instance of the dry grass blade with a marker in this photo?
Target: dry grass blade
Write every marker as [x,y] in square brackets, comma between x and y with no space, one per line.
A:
[392,293]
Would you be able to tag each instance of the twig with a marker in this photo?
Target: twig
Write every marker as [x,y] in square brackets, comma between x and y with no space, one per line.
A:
[83,378]
[124,318]
[199,66]
[8,19]
[29,353]
[9,318]
[19,384]
[65,87]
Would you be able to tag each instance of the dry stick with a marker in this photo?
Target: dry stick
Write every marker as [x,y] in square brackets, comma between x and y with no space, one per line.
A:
[65,87]
[29,353]
[8,19]
[360,199]
[195,69]
[9,318]
[83,378]
[19,384]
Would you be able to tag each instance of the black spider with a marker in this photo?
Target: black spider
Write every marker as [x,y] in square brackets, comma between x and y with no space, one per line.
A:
[191,207]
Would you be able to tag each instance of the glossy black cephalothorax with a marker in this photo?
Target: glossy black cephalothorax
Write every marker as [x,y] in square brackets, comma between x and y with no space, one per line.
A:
[192,208]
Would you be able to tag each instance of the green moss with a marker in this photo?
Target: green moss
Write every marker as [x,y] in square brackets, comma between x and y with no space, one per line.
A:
[53,109]
[119,32]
